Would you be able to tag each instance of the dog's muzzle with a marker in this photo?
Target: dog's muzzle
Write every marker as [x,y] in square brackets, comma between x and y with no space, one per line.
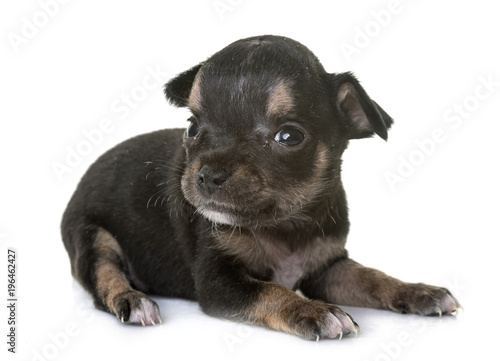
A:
[211,180]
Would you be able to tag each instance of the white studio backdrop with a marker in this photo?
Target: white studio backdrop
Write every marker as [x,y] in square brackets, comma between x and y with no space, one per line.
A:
[79,77]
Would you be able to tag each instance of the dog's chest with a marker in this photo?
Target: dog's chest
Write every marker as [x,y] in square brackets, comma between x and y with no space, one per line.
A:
[263,255]
[288,266]
[288,270]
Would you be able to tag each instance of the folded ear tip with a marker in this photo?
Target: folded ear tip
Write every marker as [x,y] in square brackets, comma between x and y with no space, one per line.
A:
[169,87]
[170,95]
[177,89]
[384,123]
[166,89]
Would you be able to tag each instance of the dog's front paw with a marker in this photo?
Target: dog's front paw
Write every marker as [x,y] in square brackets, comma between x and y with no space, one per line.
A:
[425,300]
[313,320]
[134,307]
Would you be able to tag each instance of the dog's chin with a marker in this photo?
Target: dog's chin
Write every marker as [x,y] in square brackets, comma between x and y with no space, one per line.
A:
[218,217]
[227,215]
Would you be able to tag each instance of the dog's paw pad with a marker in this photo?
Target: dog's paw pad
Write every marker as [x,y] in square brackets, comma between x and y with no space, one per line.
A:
[134,307]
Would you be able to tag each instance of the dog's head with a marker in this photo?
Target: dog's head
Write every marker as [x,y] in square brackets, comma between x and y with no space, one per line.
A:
[267,131]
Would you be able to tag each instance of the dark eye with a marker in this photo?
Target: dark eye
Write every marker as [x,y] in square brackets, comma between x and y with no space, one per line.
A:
[193,128]
[289,137]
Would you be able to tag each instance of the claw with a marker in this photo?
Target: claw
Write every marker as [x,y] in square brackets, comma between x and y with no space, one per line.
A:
[153,322]
[456,311]
[142,322]
[340,336]
[317,338]
[122,320]
[440,313]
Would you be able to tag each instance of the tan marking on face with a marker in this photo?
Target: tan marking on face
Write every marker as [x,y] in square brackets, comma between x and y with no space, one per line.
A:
[293,199]
[280,100]
[188,183]
[111,281]
[194,100]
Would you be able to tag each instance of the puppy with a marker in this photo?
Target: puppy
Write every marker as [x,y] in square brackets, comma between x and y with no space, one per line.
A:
[244,207]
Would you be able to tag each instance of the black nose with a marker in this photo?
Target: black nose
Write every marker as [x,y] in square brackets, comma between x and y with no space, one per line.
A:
[211,180]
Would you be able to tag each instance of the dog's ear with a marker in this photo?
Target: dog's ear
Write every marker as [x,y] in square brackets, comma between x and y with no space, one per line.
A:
[177,89]
[364,116]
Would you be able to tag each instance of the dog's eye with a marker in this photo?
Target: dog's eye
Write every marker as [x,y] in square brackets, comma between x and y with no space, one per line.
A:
[289,137]
[193,128]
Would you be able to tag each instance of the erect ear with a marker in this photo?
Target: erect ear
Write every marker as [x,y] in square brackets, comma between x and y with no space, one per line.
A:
[364,116]
[177,90]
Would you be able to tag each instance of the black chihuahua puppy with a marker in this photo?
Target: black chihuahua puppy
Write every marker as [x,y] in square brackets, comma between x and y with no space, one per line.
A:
[242,208]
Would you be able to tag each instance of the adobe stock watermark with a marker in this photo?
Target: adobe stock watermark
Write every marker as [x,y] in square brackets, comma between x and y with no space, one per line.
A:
[61,339]
[363,35]
[456,286]
[234,339]
[395,348]
[121,108]
[33,24]
[222,7]
[453,118]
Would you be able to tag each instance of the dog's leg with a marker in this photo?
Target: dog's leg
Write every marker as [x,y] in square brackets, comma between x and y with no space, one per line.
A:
[102,267]
[349,283]
[225,290]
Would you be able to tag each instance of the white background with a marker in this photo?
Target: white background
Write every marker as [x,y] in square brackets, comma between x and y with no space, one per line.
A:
[65,68]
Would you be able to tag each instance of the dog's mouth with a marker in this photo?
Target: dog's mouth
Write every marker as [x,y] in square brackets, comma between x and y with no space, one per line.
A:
[218,215]
[230,215]
[241,198]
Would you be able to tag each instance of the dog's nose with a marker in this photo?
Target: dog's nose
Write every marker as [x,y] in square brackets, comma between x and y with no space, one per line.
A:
[211,180]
